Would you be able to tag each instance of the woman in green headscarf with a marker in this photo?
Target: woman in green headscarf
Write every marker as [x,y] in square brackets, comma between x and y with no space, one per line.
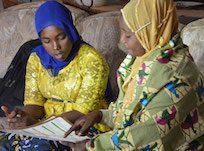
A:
[160,104]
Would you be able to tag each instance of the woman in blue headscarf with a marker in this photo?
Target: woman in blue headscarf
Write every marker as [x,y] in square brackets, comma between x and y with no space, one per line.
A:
[64,76]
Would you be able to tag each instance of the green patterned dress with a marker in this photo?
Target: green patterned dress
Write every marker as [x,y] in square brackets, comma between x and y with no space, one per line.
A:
[168,108]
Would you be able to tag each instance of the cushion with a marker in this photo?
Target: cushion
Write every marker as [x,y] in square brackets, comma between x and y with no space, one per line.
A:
[193,36]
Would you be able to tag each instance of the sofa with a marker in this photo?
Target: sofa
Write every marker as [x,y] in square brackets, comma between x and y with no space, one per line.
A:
[193,37]
[99,30]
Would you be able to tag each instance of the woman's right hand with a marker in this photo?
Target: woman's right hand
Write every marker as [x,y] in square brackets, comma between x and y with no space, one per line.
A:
[18,118]
[83,124]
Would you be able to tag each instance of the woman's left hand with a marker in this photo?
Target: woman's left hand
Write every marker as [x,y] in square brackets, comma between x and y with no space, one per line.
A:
[79,146]
[18,118]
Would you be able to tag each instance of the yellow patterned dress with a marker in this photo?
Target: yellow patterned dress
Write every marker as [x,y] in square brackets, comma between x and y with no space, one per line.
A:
[79,86]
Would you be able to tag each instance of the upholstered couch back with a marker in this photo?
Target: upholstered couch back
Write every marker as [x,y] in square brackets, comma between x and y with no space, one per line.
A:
[193,36]
[101,31]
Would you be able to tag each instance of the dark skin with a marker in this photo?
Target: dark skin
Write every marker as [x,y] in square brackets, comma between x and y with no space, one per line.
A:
[55,42]
[82,125]
[31,114]
[128,38]
[21,118]
[58,45]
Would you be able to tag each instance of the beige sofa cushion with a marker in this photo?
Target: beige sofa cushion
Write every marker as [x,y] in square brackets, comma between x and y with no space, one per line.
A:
[193,36]
[17,27]
[102,31]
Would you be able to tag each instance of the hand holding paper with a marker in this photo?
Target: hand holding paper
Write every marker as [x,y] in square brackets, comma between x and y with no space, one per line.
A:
[53,128]
[83,125]
[18,118]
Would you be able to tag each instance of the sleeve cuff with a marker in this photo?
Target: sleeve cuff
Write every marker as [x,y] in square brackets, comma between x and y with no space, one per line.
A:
[107,118]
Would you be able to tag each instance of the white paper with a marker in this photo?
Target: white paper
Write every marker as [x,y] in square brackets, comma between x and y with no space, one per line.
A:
[50,129]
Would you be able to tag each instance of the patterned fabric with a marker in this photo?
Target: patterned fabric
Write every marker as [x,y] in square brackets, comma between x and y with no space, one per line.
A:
[79,86]
[153,23]
[12,142]
[167,112]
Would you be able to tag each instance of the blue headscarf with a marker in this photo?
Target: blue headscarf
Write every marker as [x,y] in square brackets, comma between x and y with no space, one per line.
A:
[52,13]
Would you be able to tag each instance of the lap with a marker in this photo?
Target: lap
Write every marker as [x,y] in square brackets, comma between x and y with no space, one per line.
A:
[9,142]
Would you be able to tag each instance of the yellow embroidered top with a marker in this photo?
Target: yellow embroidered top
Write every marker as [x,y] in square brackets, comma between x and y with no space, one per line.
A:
[80,85]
